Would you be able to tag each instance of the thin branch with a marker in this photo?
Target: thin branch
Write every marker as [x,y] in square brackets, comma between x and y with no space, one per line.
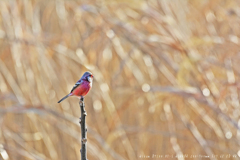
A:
[83,129]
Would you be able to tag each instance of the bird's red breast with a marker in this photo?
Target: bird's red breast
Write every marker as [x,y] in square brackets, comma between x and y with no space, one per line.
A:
[82,89]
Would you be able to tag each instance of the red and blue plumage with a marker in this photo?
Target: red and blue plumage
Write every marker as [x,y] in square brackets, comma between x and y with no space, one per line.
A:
[82,87]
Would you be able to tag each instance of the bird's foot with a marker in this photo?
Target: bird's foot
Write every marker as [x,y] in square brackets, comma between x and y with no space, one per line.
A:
[81,101]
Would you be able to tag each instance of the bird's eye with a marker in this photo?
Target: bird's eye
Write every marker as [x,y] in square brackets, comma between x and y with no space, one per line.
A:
[89,78]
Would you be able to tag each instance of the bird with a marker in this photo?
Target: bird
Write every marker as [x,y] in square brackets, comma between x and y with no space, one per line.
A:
[82,86]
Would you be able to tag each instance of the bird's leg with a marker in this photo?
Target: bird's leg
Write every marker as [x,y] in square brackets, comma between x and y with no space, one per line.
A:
[81,99]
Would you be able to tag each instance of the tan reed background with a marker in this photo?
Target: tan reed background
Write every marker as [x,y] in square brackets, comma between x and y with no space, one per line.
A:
[166,79]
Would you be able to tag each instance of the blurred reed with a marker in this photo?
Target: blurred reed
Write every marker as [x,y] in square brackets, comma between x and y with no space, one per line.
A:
[166,78]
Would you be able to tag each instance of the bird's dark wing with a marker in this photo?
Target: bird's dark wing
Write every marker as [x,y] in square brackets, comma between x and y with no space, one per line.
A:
[76,85]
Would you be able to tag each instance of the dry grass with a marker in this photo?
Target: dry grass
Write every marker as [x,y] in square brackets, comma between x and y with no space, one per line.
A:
[166,78]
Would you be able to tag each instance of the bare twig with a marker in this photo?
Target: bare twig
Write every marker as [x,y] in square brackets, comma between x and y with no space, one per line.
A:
[83,129]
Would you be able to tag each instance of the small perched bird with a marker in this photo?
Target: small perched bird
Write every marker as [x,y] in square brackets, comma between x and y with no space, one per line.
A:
[82,87]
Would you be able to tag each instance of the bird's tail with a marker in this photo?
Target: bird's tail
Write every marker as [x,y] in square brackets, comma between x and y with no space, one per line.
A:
[64,98]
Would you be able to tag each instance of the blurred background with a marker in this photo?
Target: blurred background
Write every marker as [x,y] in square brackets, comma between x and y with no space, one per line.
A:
[165,87]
